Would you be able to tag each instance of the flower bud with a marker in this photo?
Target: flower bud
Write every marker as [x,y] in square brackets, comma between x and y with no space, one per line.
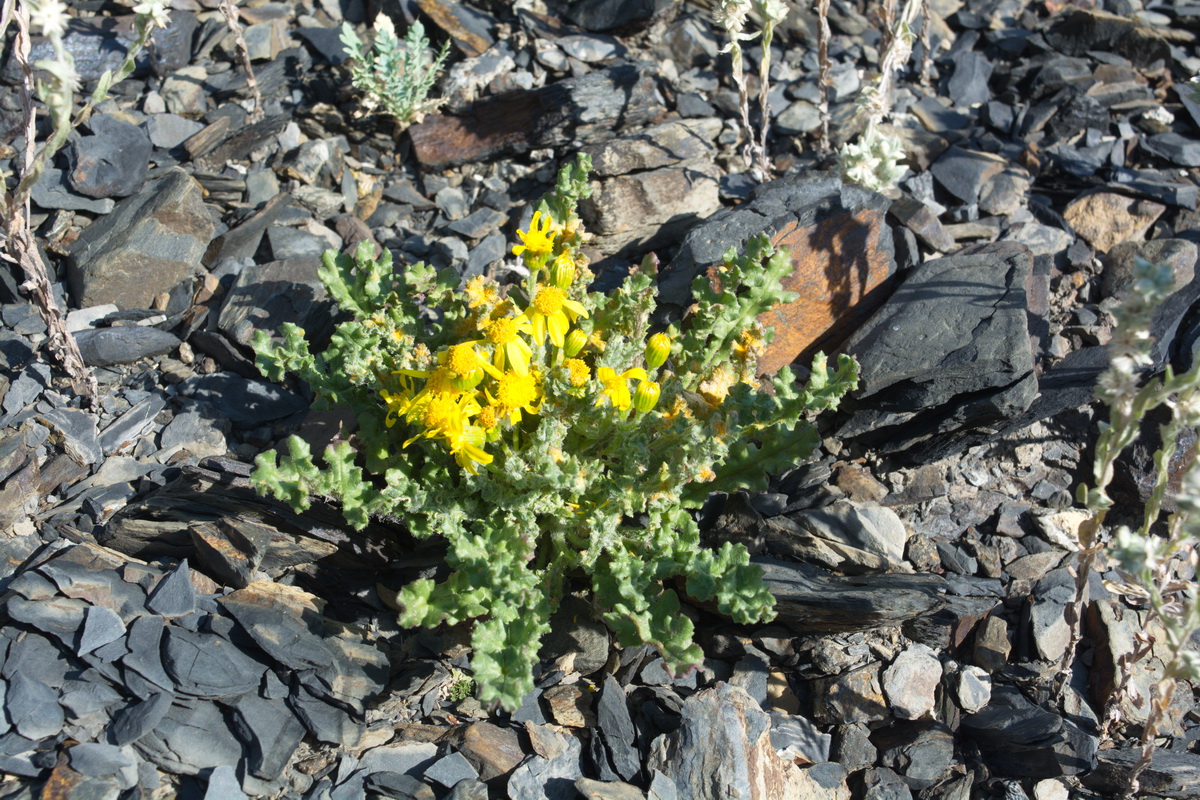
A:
[467,381]
[646,396]
[562,271]
[575,341]
[658,347]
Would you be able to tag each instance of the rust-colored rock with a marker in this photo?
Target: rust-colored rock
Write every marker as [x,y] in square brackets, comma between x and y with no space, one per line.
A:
[841,274]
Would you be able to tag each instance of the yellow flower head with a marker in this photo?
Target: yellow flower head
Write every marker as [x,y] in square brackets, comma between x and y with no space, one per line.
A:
[616,386]
[467,366]
[577,372]
[466,445]
[539,239]
[511,349]
[443,415]
[552,312]
[481,291]
[515,393]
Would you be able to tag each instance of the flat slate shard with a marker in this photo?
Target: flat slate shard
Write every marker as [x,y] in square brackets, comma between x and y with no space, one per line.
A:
[190,739]
[206,665]
[272,732]
[287,290]
[174,596]
[33,707]
[144,658]
[139,718]
[279,622]
[950,350]
[104,347]
[810,600]
[326,722]
[60,617]
[95,759]
[151,241]
[100,627]
[553,778]
[616,728]
[224,785]
[76,430]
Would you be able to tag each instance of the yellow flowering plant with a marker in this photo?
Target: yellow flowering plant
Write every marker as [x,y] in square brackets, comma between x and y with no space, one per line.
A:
[550,436]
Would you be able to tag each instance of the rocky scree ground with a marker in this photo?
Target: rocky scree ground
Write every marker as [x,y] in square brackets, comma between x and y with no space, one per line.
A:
[169,634]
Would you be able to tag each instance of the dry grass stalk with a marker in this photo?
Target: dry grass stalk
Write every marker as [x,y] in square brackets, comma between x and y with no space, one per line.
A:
[230,11]
[14,209]
[823,73]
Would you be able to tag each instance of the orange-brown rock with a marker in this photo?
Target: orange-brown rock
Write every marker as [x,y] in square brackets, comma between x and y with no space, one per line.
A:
[841,272]
[842,256]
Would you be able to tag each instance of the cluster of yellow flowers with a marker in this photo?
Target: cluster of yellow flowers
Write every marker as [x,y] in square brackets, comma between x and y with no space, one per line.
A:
[479,388]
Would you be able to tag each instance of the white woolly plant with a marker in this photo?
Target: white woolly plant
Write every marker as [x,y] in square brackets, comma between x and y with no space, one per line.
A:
[1156,568]
[395,76]
[732,16]
[874,161]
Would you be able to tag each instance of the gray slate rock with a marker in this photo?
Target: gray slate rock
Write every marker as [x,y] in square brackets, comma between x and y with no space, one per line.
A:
[326,722]
[224,785]
[196,432]
[468,790]
[1022,740]
[76,430]
[243,401]
[810,600]
[450,770]
[264,297]
[104,347]
[61,617]
[541,778]
[144,640]
[605,15]
[950,350]
[617,730]
[51,192]
[206,665]
[174,596]
[968,84]
[190,739]
[100,626]
[96,759]
[403,759]
[792,731]
[272,732]
[1172,773]
[139,718]
[33,707]
[112,162]
[127,429]
[149,243]
[168,131]
[1175,148]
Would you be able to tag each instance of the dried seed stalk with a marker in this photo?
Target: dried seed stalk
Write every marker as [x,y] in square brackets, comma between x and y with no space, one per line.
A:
[230,11]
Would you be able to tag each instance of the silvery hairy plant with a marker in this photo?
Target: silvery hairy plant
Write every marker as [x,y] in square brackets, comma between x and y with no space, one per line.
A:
[1156,560]
[874,160]
[395,76]
[732,16]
